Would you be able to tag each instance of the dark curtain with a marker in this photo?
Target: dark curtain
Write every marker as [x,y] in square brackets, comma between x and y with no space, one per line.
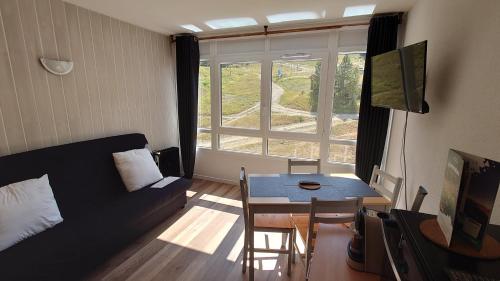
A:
[373,121]
[188,62]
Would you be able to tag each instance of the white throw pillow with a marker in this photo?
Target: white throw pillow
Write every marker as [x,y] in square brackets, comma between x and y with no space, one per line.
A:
[137,168]
[26,208]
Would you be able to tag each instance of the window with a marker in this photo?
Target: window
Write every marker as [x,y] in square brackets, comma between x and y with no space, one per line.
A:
[295,95]
[343,153]
[240,94]
[282,97]
[345,111]
[204,106]
[240,144]
[204,140]
[204,116]
[293,149]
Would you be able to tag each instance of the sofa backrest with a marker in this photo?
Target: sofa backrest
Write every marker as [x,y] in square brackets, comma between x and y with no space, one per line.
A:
[82,174]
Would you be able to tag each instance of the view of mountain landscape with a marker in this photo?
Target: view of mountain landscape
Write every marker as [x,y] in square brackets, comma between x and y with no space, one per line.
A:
[294,105]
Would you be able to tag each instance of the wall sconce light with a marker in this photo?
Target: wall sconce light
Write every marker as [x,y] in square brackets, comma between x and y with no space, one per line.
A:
[57,67]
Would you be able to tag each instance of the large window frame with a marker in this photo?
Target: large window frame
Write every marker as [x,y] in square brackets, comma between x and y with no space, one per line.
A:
[217,127]
[327,56]
[334,141]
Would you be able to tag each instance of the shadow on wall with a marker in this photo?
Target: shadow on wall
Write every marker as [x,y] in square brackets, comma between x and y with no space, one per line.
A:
[443,67]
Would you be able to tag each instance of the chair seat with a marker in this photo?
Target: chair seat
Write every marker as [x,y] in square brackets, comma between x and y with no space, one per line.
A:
[376,201]
[304,218]
[301,223]
[278,221]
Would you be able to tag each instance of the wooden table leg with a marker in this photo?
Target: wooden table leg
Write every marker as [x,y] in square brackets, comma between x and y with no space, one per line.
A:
[251,243]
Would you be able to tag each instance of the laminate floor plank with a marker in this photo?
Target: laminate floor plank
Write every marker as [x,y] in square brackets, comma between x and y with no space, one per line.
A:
[203,241]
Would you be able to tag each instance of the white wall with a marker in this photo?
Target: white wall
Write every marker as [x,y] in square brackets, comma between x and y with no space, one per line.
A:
[463,91]
[122,79]
[225,165]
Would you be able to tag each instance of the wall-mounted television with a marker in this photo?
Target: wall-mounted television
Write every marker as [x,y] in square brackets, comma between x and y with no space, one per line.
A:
[398,79]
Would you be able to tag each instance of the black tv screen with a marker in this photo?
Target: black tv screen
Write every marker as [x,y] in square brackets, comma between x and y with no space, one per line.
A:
[398,79]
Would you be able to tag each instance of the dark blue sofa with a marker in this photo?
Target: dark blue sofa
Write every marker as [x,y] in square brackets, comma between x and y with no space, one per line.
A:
[100,216]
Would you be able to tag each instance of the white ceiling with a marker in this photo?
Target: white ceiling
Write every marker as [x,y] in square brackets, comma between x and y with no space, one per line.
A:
[166,16]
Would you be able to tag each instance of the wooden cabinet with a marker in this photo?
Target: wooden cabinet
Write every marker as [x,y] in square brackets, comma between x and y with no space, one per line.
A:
[412,257]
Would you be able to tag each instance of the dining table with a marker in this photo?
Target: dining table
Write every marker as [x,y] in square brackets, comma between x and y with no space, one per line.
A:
[281,194]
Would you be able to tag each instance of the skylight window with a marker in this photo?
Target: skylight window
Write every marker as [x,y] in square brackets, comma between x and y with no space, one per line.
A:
[284,17]
[230,23]
[191,27]
[361,10]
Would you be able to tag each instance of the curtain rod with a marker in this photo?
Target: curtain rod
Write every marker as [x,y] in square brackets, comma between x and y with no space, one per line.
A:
[279,31]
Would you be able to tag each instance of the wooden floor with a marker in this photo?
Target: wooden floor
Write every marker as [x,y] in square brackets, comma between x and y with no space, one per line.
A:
[203,241]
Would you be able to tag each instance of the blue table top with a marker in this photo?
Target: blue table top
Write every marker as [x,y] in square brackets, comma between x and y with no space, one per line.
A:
[286,185]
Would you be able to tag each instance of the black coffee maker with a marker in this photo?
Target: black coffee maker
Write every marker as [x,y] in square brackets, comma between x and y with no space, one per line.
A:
[367,235]
[355,248]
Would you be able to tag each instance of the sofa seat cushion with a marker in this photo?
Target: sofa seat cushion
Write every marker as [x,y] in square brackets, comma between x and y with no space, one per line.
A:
[77,246]
[49,255]
[125,218]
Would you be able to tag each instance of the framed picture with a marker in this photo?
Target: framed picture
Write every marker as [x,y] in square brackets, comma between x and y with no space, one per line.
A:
[469,190]
[481,179]
[450,193]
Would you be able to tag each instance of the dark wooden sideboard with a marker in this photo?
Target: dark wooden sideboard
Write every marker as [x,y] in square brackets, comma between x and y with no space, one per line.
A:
[412,257]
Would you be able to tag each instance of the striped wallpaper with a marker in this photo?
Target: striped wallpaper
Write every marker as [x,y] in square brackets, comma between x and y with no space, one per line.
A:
[122,79]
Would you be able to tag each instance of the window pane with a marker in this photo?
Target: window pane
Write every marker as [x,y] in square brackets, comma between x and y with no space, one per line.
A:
[204,140]
[295,91]
[347,95]
[343,153]
[240,144]
[292,148]
[241,95]
[204,96]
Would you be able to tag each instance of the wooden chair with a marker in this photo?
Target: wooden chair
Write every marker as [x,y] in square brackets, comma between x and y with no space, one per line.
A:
[419,198]
[302,163]
[328,212]
[281,223]
[292,163]
[378,181]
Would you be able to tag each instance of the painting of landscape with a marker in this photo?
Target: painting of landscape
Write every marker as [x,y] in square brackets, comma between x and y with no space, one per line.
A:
[480,190]
[387,83]
[413,61]
[469,191]
[450,193]
[398,78]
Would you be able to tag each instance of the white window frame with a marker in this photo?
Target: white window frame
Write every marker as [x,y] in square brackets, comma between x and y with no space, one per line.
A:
[206,130]
[266,57]
[328,115]
[217,98]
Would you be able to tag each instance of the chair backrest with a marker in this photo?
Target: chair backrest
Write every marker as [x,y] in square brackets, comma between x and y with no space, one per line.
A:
[378,181]
[304,163]
[331,212]
[419,198]
[244,195]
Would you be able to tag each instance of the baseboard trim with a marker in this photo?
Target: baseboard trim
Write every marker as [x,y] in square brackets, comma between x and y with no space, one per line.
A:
[203,177]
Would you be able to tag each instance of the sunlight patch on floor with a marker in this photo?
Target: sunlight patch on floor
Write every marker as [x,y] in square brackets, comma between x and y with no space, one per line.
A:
[271,240]
[265,261]
[205,231]
[300,244]
[221,200]
[237,248]
[190,193]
